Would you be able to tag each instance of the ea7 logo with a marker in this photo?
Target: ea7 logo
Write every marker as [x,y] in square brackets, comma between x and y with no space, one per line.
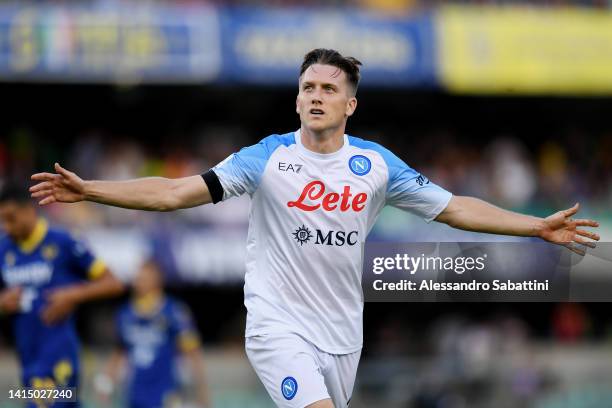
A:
[289,167]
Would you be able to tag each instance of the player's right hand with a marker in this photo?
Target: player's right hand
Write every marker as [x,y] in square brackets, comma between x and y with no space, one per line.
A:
[63,186]
[10,300]
[103,386]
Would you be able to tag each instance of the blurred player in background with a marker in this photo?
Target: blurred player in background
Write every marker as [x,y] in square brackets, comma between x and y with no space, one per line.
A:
[153,330]
[46,275]
[316,193]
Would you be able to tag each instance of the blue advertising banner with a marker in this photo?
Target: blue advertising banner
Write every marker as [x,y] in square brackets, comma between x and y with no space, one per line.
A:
[151,44]
[267,46]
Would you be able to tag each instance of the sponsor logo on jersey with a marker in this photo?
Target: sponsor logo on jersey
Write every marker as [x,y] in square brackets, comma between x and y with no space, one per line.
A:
[50,252]
[149,333]
[35,273]
[360,165]
[293,167]
[303,235]
[422,180]
[289,388]
[313,197]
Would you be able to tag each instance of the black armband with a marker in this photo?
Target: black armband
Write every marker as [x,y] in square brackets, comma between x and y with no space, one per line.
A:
[214,186]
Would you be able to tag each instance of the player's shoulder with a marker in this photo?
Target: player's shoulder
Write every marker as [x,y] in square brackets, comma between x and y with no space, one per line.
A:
[272,142]
[367,145]
[58,234]
[258,154]
[174,305]
[61,237]
[177,309]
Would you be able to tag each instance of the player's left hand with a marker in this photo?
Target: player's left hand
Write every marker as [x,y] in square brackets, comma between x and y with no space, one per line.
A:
[10,300]
[63,186]
[60,303]
[561,228]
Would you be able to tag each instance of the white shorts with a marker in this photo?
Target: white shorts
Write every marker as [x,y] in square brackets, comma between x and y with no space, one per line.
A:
[296,373]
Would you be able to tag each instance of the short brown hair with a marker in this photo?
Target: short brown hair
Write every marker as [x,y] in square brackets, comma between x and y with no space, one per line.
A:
[18,193]
[324,56]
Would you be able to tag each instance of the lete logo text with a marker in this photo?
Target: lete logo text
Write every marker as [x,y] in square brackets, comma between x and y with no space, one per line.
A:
[314,192]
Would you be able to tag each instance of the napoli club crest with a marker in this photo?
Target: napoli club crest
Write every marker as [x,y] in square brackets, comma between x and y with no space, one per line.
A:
[289,388]
[360,165]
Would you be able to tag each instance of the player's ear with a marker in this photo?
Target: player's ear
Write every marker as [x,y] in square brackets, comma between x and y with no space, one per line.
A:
[351,106]
[297,97]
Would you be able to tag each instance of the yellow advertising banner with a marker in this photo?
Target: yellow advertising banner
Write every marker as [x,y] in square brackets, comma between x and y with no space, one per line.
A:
[524,50]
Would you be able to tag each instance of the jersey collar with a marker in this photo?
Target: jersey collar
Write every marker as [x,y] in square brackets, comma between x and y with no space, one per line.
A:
[303,149]
[36,236]
[149,304]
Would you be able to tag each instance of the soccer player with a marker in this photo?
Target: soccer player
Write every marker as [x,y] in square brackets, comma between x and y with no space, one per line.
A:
[316,193]
[46,274]
[153,328]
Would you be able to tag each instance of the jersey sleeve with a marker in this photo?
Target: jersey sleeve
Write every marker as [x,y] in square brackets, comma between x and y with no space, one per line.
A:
[411,191]
[241,172]
[183,328]
[83,260]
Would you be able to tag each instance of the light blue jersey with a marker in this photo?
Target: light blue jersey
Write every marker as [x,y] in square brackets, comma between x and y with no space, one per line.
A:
[310,213]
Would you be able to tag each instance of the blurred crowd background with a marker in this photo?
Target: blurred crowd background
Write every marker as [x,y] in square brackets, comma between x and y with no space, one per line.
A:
[172,96]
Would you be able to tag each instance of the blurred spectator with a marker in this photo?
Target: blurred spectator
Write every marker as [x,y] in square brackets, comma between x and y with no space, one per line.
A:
[570,322]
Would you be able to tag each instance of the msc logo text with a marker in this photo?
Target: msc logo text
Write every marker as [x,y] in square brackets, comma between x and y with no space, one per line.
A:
[303,235]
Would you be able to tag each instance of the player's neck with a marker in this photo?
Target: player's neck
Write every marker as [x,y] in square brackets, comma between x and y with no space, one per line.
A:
[147,303]
[36,231]
[31,229]
[325,142]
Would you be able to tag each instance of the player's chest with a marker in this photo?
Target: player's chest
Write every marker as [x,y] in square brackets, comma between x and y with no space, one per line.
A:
[150,331]
[30,269]
[345,185]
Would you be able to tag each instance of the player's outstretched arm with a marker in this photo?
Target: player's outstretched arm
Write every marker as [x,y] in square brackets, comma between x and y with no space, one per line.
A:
[472,214]
[150,193]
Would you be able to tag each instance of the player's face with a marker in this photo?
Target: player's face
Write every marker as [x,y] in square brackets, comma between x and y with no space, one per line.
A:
[325,99]
[148,279]
[17,220]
